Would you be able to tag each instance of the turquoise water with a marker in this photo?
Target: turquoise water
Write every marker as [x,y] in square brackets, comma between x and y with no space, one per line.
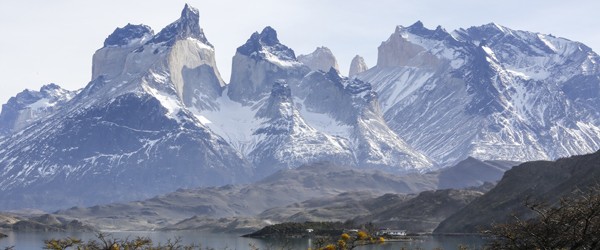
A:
[35,240]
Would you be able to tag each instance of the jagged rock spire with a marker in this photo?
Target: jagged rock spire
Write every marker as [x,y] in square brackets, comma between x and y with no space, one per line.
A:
[320,59]
[187,26]
[357,66]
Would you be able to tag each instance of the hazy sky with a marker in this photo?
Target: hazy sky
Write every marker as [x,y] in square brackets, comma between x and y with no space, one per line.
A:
[53,41]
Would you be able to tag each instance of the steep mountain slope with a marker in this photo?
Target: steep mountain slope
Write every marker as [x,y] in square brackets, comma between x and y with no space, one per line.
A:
[288,141]
[127,134]
[348,108]
[488,92]
[30,106]
[531,181]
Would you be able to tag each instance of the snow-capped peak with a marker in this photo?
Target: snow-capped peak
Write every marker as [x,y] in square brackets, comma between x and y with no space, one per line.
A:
[527,54]
[525,92]
[258,63]
[419,29]
[266,45]
[51,87]
[30,106]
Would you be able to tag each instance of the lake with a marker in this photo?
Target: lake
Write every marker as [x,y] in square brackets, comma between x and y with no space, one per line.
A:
[35,240]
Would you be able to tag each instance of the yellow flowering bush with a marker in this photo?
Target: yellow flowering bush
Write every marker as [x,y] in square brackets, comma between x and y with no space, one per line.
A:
[345,237]
[362,235]
[347,242]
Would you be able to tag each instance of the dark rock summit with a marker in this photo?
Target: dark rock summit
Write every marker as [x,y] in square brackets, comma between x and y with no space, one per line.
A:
[123,36]
[266,40]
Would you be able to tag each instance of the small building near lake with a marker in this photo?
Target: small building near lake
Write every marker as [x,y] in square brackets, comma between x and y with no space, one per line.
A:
[391,232]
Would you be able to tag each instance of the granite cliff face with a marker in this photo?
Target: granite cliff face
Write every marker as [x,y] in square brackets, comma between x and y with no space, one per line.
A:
[180,49]
[321,59]
[260,62]
[357,66]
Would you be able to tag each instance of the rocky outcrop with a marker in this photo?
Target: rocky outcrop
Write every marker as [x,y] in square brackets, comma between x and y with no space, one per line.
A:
[357,66]
[321,59]
[109,61]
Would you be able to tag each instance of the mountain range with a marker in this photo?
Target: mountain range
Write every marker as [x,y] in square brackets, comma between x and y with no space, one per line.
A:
[488,92]
[157,115]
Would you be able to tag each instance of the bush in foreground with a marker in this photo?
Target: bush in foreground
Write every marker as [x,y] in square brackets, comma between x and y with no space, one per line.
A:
[105,242]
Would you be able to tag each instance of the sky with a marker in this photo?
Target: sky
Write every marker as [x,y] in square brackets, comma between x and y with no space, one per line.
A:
[45,42]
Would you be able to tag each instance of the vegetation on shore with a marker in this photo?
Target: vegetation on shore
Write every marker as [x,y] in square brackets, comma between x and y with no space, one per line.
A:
[105,242]
[297,230]
[573,223]
[349,241]
[328,235]
[346,241]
